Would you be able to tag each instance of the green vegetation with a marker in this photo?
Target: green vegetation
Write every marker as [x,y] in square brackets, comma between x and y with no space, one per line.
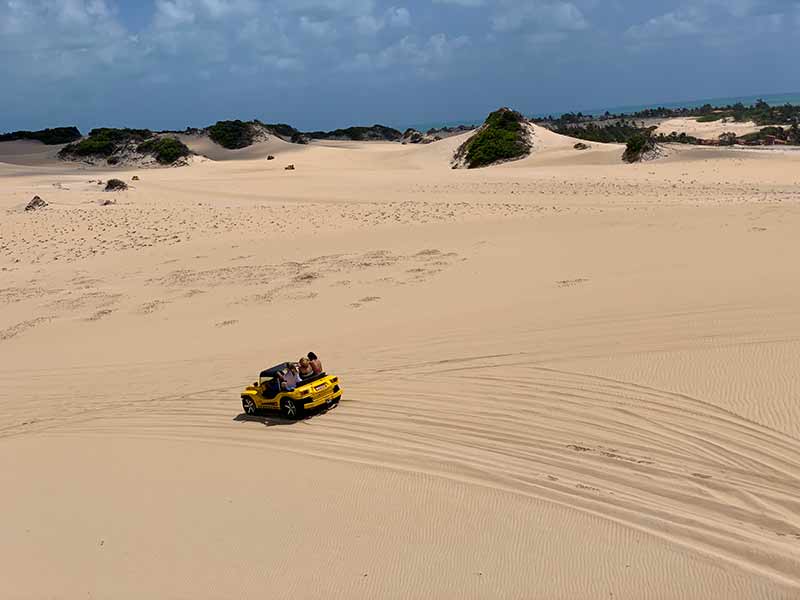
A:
[374,133]
[766,135]
[501,138]
[51,137]
[281,129]
[639,145]
[166,149]
[618,133]
[232,134]
[115,144]
[104,142]
[676,138]
[711,118]
[760,112]
[90,147]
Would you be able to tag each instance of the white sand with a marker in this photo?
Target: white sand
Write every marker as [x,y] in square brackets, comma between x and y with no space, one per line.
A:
[565,377]
[706,131]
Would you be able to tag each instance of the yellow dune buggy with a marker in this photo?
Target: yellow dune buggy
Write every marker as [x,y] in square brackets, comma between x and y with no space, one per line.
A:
[267,394]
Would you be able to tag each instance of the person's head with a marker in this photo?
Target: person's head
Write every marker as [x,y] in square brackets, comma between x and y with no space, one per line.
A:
[312,356]
[304,362]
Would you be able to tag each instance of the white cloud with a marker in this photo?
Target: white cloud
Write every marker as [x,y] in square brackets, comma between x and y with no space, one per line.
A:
[175,13]
[540,16]
[679,23]
[318,29]
[423,55]
[58,39]
[718,21]
[468,3]
[345,8]
[369,24]
[399,17]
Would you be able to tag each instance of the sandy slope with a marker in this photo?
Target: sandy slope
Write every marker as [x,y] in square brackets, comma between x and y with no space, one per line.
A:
[565,377]
[30,153]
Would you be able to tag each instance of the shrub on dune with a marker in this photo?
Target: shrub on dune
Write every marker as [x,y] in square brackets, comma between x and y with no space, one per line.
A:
[232,134]
[166,150]
[641,146]
[103,142]
[501,138]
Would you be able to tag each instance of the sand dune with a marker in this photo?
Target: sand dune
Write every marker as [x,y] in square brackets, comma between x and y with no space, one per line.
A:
[202,145]
[565,377]
[29,153]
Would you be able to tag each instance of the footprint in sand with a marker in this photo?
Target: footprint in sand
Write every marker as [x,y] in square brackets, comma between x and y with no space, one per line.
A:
[100,314]
[150,307]
[365,300]
[571,282]
[15,330]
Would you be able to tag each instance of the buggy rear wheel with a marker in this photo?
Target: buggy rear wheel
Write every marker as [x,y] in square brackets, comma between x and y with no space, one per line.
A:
[290,409]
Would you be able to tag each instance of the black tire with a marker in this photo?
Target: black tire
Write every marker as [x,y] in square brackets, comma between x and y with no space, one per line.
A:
[291,409]
[249,406]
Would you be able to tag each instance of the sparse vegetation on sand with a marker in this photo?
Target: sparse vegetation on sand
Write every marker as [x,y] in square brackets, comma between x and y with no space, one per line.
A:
[166,150]
[641,146]
[502,137]
[104,141]
[124,146]
[51,137]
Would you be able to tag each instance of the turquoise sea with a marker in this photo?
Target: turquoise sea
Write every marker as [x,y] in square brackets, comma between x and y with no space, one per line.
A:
[774,99]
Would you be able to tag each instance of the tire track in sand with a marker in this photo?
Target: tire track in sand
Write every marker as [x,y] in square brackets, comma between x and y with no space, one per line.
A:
[666,464]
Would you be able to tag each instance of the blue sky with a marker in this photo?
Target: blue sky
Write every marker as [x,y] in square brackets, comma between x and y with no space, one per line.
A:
[329,63]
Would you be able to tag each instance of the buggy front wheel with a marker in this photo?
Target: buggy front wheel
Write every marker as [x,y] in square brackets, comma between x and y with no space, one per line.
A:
[249,406]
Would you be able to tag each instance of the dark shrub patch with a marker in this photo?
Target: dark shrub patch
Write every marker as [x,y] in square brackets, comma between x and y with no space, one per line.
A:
[282,129]
[711,118]
[619,132]
[89,147]
[636,148]
[232,134]
[115,185]
[51,137]
[120,135]
[166,150]
[359,134]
